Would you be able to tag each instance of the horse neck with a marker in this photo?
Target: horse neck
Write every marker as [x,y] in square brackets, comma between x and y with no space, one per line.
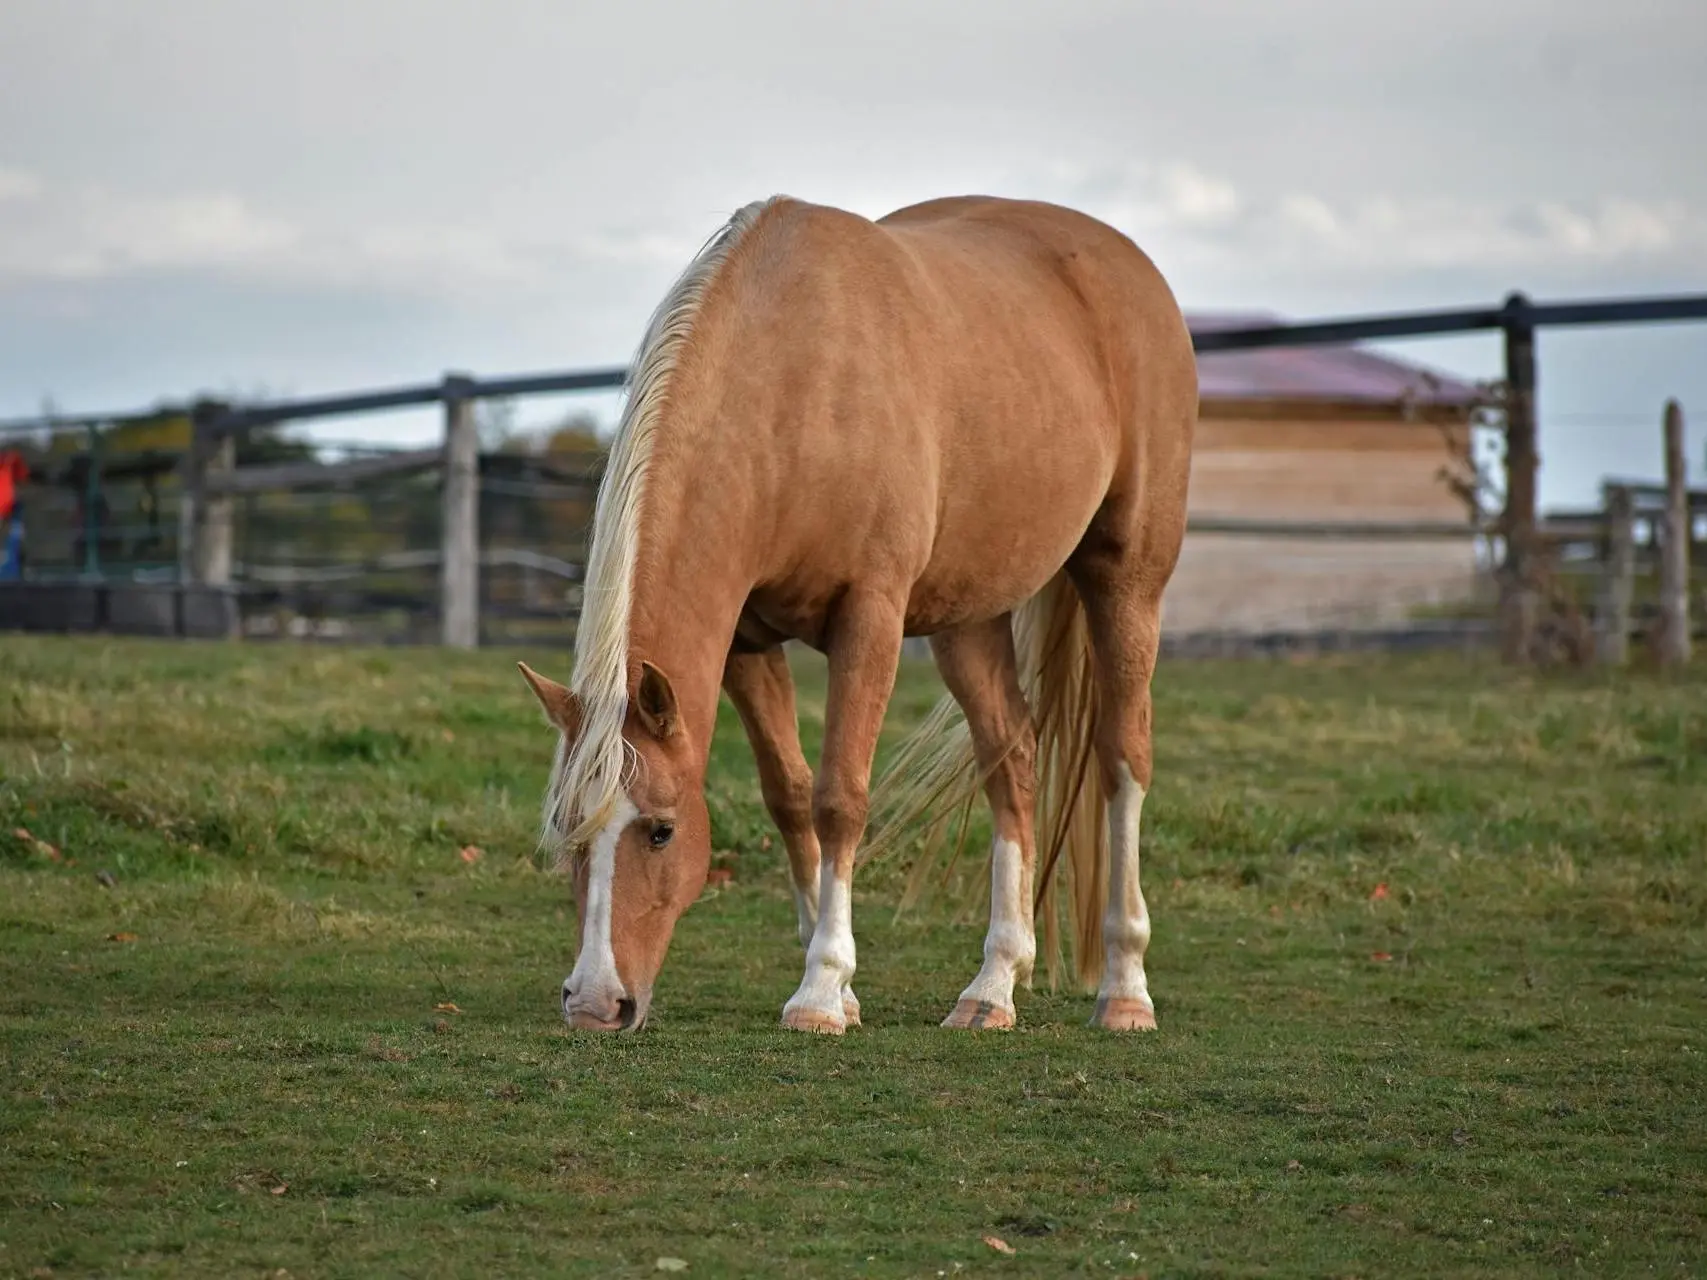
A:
[701,530]
[690,586]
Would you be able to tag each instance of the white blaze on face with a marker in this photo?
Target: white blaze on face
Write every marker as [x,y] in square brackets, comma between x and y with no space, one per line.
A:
[1010,947]
[1126,923]
[595,982]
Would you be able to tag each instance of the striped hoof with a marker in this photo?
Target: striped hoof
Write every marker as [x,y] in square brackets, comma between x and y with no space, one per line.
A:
[1114,1013]
[850,1007]
[980,1015]
[825,1024]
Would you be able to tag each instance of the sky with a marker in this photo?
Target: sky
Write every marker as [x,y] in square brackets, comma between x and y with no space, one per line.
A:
[225,196]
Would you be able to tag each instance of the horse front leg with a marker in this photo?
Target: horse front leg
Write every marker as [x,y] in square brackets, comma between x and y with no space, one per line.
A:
[761,687]
[864,651]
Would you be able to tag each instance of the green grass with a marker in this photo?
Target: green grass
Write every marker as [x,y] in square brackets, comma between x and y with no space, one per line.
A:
[262,1080]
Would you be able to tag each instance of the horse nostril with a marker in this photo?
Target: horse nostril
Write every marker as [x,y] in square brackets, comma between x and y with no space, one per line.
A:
[625,1010]
[568,995]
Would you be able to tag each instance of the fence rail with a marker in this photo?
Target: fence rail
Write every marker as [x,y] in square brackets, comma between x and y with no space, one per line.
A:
[1339,530]
[220,417]
[1516,311]
[305,475]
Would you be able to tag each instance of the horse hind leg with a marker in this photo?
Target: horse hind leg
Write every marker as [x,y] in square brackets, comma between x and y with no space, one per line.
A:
[1125,628]
[978,666]
[762,690]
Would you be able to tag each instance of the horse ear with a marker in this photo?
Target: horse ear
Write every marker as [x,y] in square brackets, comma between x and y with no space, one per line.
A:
[562,708]
[656,702]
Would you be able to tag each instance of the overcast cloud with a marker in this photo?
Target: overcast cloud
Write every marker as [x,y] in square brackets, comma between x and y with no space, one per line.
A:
[226,195]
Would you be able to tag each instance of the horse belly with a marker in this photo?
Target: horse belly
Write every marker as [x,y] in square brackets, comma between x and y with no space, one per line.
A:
[985,558]
[985,566]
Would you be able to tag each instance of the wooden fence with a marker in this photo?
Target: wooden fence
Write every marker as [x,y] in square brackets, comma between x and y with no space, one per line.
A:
[429,545]
[212,485]
[1626,566]
[210,481]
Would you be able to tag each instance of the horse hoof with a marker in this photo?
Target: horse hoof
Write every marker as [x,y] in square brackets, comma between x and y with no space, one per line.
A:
[825,1024]
[850,1008]
[979,1015]
[1117,1014]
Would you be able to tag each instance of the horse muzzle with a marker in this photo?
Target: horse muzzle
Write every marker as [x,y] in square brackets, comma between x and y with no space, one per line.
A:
[602,1011]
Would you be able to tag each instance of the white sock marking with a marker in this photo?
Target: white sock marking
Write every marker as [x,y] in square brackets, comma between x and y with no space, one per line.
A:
[1126,922]
[830,954]
[1010,947]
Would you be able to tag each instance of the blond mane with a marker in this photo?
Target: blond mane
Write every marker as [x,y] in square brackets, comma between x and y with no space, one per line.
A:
[591,774]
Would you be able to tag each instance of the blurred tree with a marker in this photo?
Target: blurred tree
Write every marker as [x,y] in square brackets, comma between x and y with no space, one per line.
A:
[495,423]
[261,445]
[576,433]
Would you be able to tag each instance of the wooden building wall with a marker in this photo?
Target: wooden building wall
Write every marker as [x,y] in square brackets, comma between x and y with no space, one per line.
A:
[1318,464]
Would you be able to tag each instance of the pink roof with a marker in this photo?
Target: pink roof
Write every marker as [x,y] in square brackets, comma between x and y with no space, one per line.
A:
[1343,373]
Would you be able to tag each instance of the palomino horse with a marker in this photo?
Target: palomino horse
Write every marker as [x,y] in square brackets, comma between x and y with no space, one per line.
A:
[970,420]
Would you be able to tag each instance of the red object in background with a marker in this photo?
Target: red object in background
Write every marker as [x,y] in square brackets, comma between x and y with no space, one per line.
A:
[13,473]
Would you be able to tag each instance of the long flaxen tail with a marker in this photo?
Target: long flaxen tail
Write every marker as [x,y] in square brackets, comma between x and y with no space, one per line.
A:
[934,780]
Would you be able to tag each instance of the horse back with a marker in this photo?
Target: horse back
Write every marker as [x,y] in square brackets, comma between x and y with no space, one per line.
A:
[965,385]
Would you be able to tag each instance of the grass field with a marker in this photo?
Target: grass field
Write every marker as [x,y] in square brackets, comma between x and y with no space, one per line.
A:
[1430,961]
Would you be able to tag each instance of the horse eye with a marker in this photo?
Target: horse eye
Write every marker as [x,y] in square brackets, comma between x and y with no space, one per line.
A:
[661,834]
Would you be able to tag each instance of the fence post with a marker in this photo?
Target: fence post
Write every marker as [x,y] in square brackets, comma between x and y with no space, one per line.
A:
[459,583]
[219,524]
[192,475]
[1520,581]
[1674,547]
[92,521]
[204,518]
[1618,577]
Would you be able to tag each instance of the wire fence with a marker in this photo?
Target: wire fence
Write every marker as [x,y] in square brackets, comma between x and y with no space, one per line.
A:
[364,560]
